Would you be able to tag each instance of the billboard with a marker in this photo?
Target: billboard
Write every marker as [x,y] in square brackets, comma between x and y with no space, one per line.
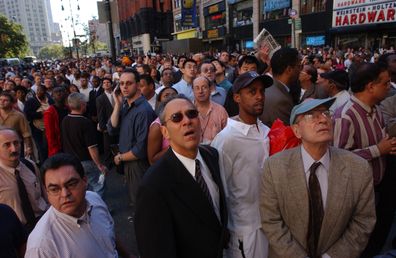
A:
[362,12]
[315,41]
[271,5]
[189,13]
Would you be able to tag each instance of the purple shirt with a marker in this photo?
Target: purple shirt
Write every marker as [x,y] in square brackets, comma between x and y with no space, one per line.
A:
[359,128]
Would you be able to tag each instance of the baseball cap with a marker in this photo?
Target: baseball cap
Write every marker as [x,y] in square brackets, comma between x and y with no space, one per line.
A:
[339,76]
[247,78]
[308,105]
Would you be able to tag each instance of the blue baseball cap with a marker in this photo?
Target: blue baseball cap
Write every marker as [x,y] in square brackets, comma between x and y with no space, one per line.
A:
[308,105]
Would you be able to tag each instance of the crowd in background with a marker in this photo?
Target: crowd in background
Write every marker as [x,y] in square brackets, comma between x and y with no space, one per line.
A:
[116,115]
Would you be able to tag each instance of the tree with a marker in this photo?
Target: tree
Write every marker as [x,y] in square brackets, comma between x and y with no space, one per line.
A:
[13,41]
[51,51]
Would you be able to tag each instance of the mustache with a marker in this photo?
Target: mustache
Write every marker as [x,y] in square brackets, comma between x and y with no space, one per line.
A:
[14,154]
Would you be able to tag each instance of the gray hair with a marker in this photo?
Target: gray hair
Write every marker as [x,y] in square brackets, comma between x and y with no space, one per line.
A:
[75,100]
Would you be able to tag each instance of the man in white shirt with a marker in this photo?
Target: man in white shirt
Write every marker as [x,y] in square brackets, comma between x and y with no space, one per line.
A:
[78,223]
[243,145]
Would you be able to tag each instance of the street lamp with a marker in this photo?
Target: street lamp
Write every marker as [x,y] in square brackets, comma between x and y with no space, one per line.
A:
[71,17]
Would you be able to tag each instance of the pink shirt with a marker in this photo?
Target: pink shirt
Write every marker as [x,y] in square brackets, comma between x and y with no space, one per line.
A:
[165,142]
[212,122]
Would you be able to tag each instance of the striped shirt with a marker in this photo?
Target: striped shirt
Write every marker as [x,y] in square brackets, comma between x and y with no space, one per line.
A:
[359,128]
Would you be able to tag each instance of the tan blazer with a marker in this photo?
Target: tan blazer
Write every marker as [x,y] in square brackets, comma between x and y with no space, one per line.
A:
[349,215]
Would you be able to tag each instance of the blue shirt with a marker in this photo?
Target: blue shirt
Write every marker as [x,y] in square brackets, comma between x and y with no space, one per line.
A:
[184,88]
[219,95]
[135,120]
[225,84]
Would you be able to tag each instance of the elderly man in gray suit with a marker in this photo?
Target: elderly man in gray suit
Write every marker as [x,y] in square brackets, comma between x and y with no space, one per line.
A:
[316,200]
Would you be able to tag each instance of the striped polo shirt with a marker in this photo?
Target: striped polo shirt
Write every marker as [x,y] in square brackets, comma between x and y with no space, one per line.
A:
[359,128]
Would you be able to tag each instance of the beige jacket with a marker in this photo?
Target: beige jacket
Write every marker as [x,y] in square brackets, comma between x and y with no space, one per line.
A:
[350,210]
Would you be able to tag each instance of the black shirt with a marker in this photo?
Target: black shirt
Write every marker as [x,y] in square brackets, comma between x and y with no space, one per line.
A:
[12,233]
[78,133]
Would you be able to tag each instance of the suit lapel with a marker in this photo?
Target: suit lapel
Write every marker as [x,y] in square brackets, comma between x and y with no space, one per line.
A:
[190,194]
[298,187]
[338,183]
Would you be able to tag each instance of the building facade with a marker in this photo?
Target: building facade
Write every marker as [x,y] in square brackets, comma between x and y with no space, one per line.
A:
[144,24]
[33,16]
[233,24]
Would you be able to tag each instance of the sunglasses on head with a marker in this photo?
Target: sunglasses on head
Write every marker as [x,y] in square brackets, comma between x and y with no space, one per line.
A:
[178,117]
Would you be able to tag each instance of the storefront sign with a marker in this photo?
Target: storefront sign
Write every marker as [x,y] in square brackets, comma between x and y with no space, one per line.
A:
[216,8]
[189,13]
[213,9]
[213,34]
[361,12]
[271,5]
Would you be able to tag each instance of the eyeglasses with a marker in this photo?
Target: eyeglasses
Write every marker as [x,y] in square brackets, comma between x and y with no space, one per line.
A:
[70,186]
[211,70]
[314,116]
[178,117]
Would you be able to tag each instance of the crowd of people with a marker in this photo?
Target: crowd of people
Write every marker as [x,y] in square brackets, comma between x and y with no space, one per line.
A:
[193,137]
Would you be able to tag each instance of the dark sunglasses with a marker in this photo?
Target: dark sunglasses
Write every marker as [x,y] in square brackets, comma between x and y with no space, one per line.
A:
[178,117]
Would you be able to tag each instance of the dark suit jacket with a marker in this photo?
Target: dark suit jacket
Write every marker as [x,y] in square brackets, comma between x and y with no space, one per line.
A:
[173,218]
[278,104]
[92,101]
[104,110]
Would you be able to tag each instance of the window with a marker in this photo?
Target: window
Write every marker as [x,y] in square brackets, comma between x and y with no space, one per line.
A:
[242,14]
[312,6]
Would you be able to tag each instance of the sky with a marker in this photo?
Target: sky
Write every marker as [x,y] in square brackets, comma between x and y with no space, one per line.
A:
[88,9]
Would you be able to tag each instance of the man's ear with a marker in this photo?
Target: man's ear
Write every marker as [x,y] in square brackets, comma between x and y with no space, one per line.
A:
[165,132]
[237,97]
[296,130]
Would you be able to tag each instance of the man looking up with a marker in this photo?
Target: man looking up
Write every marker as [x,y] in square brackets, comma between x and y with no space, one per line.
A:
[286,67]
[316,200]
[184,186]
[184,86]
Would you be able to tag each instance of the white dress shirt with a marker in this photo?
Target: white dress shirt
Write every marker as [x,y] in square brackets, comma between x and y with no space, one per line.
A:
[189,164]
[322,172]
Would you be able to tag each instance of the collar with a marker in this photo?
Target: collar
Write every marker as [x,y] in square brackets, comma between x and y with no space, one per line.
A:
[8,169]
[137,101]
[75,115]
[85,218]
[184,81]
[188,163]
[284,85]
[308,160]
[366,107]
[244,128]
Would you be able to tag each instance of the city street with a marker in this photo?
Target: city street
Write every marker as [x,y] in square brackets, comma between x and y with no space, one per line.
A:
[117,200]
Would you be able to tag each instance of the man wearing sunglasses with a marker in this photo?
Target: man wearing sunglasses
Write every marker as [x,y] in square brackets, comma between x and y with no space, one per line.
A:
[243,146]
[316,200]
[181,208]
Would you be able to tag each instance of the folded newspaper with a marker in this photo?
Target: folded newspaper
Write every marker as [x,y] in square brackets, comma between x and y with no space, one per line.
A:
[265,39]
